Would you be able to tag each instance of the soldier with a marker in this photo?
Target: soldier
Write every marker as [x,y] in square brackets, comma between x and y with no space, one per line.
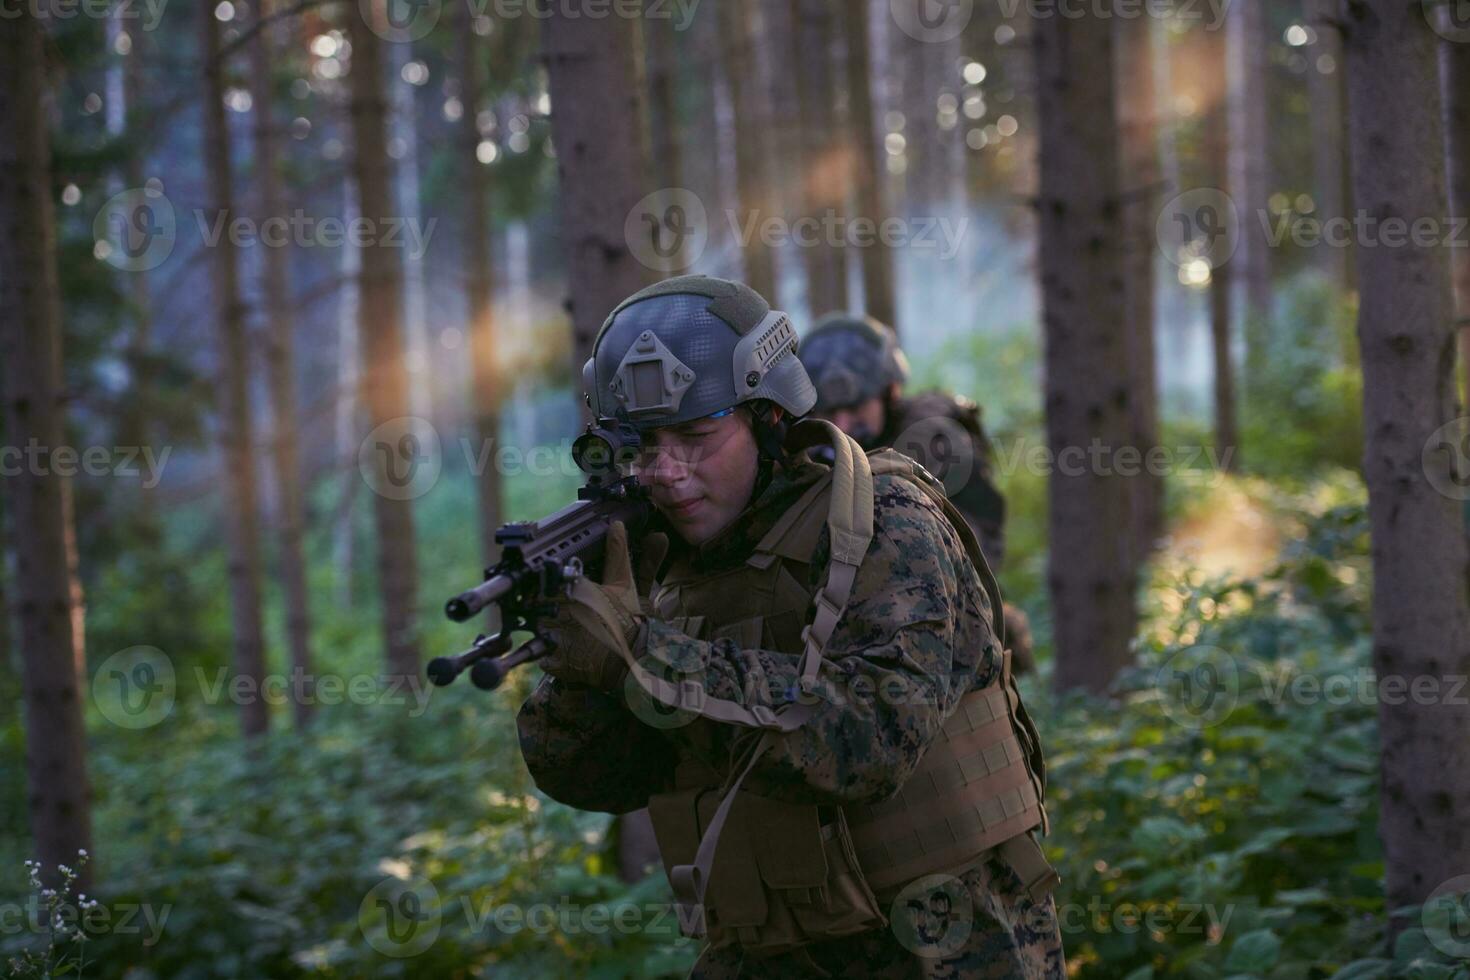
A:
[805,689]
[860,372]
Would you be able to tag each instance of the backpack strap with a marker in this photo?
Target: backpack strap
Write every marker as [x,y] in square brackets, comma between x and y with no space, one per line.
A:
[850,521]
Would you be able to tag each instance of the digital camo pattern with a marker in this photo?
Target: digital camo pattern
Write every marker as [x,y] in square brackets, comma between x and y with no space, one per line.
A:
[1001,935]
[915,637]
[945,435]
[965,463]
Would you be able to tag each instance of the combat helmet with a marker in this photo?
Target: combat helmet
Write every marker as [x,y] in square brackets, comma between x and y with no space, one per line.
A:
[691,347]
[850,359]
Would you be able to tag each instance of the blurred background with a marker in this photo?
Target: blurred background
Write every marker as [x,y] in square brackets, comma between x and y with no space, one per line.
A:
[298,295]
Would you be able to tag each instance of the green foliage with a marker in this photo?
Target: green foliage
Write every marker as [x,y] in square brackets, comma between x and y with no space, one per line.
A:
[1303,405]
[1216,817]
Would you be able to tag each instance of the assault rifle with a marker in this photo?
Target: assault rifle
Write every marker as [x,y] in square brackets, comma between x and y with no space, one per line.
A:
[539,558]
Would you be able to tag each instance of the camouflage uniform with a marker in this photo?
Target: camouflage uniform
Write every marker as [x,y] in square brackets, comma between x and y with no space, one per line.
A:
[917,616]
[924,427]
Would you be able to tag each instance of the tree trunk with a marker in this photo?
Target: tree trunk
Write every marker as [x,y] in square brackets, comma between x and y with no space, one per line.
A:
[348,357]
[1087,376]
[598,125]
[773,59]
[1326,93]
[663,107]
[280,367]
[241,516]
[7,652]
[866,146]
[57,789]
[1421,616]
[1215,152]
[125,81]
[823,160]
[1454,64]
[384,378]
[752,113]
[1227,434]
[405,128]
[485,383]
[1250,178]
[599,130]
[1138,134]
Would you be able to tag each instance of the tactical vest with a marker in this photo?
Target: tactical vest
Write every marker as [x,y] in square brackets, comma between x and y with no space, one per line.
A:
[775,876]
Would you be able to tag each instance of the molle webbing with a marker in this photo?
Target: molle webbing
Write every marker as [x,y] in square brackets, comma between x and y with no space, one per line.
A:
[970,793]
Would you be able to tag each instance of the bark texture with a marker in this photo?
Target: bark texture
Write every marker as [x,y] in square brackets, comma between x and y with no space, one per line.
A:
[281,374]
[1088,382]
[599,129]
[1421,615]
[1138,135]
[753,140]
[58,793]
[384,380]
[237,434]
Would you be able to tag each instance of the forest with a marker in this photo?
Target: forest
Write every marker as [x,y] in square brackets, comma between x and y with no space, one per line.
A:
[295,301]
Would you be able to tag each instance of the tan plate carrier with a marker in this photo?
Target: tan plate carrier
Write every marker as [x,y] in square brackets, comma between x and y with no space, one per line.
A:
[775,876]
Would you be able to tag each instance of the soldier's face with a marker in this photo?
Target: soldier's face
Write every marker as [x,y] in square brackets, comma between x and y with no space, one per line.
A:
[700,474]
[863,421]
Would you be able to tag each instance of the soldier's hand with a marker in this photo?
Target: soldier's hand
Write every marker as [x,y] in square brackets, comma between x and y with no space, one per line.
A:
[596,620]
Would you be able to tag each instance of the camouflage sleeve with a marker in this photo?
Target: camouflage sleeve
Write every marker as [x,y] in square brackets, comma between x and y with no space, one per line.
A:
[914,636]
[586,750]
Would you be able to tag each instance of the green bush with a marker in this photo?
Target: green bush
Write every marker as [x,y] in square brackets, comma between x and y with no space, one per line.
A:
[1303,408]
[1212,818]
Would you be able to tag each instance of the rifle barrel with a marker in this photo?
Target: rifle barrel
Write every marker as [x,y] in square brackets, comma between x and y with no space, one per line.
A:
[466,604]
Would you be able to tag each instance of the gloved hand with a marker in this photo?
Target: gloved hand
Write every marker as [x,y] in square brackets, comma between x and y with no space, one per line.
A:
[596,619]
